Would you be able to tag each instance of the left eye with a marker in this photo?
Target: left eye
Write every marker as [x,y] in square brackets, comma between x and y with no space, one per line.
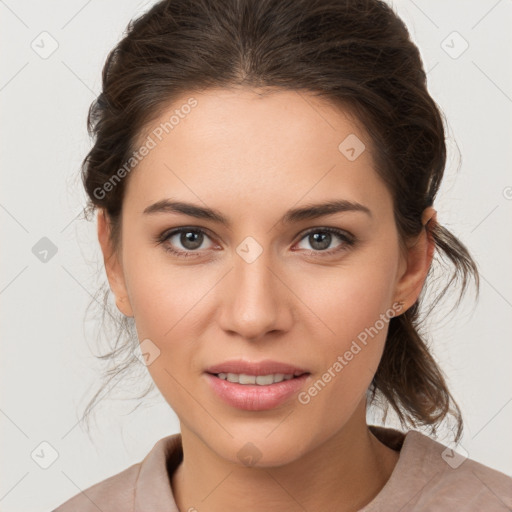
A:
[320,239]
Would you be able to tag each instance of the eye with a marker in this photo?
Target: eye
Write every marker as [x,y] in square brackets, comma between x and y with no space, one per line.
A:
[321,238]
[190,239]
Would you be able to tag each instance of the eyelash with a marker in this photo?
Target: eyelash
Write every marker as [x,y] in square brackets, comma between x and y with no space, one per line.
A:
[347,239]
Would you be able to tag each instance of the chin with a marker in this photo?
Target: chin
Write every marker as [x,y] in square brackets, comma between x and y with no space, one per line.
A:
[260,447]
[261,454]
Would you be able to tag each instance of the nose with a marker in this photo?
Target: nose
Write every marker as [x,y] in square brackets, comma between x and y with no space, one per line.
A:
[255,300]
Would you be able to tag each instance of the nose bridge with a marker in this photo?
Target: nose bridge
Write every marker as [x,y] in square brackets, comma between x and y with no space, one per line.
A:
[253,303]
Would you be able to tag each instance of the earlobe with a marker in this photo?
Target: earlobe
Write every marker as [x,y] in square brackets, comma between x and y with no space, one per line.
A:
[113,267]
[123,305]
[419,257]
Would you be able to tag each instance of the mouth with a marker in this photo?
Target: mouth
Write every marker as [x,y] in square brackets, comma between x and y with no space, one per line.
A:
[259,380]
[245,370]
[256,386]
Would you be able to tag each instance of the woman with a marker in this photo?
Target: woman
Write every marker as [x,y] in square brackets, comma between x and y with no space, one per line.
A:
[265,175]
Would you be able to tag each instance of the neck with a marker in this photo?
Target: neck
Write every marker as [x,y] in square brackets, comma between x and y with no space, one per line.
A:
[344,474]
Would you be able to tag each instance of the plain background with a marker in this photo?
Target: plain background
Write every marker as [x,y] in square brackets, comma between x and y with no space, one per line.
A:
[48,372]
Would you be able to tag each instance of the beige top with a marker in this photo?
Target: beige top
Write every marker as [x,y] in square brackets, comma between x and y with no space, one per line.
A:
[427,477]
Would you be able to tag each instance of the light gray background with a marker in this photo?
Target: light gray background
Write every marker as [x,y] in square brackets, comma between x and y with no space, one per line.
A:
[47,370]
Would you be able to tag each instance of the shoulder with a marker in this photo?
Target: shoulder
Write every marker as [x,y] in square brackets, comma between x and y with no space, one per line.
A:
[112,494]
[432,476]
[146,482]
[457,479]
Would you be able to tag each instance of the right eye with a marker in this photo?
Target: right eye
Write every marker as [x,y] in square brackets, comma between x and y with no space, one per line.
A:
[191,239]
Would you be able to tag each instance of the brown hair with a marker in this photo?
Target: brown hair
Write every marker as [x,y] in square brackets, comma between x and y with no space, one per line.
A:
[354,53]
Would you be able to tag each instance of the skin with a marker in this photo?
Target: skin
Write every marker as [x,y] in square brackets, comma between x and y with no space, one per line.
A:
[253,157]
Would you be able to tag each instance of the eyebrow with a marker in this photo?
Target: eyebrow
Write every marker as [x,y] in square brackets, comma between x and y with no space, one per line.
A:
[311,211]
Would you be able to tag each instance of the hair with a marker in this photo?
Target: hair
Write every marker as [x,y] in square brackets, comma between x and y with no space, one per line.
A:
[356,54]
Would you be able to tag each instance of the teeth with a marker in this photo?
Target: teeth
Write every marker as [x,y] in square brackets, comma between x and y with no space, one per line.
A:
[261,380]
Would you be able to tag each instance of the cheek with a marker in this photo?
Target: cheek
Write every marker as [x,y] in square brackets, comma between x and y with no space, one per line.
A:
[164,296]
[168,303]
[355,307]
[351,299]
[350,357]
[350,350]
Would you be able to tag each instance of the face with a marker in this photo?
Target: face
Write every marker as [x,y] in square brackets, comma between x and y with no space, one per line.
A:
[268,283]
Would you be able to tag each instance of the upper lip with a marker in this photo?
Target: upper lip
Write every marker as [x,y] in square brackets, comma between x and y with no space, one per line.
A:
[265,367]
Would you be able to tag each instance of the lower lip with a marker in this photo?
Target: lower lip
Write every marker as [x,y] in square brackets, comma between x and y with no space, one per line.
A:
[252,397]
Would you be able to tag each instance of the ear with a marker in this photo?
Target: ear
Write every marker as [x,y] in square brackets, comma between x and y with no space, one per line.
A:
[418,258]
[113,265]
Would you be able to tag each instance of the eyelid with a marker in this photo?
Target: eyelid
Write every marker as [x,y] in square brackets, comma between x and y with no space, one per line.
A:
[328,229]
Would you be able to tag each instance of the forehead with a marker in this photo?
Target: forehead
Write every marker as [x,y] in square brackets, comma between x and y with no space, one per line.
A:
[262,148]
